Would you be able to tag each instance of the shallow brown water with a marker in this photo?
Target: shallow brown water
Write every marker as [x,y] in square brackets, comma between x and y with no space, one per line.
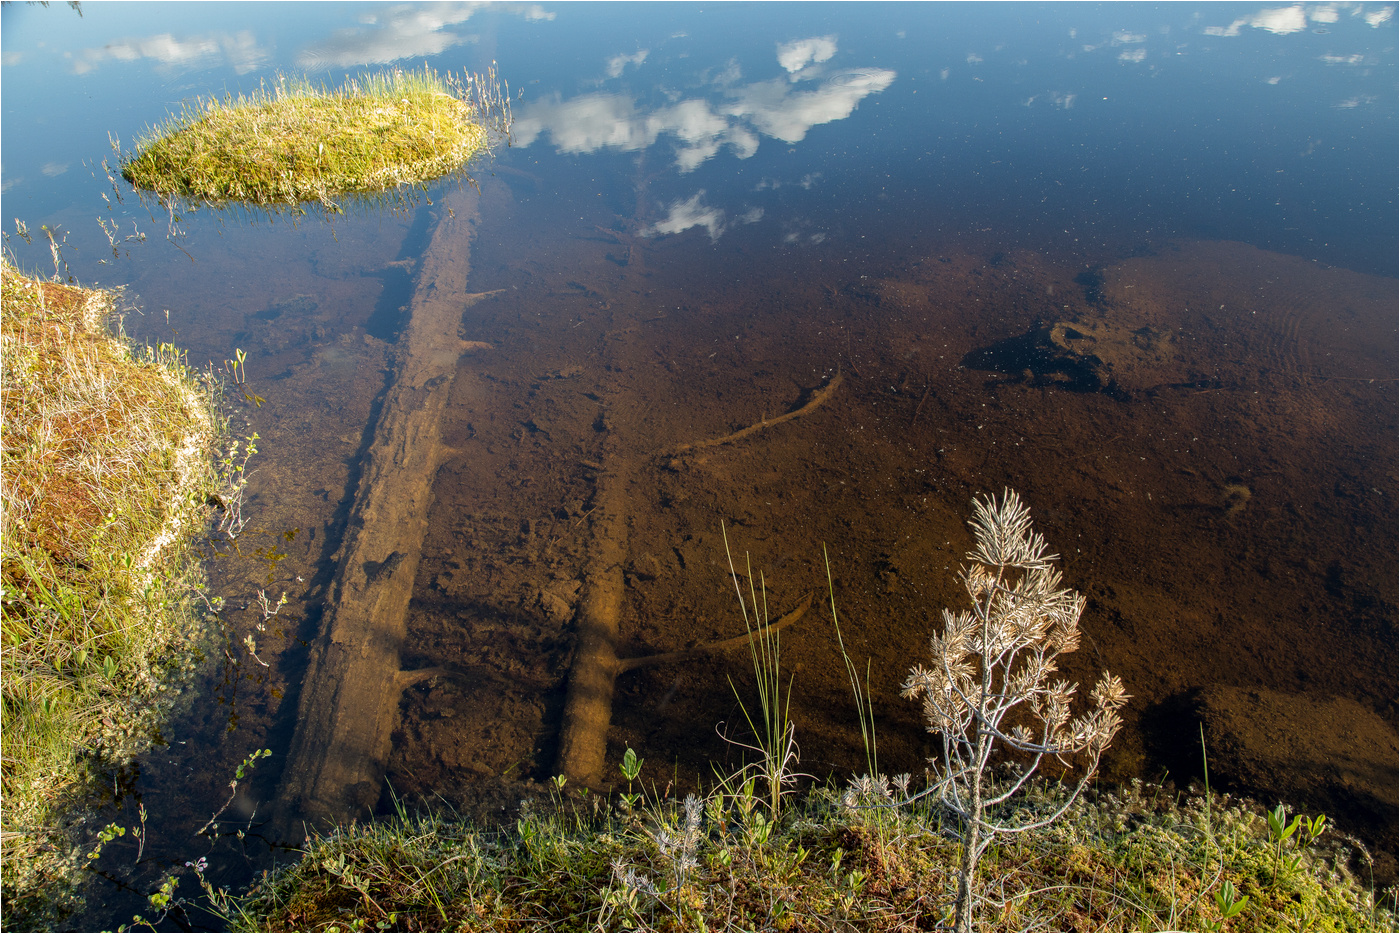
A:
[1217,479]
[1222,501]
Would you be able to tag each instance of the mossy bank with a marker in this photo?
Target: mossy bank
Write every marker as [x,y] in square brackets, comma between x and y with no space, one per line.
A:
[294,142]
[107,467]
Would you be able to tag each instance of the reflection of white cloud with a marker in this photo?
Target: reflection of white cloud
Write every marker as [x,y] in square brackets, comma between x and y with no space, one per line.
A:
[807,181]
[611,121]
[404,31]
[1123,37]
[779,111]
[585,124]
[11,58]
[782,108]
[1279,21]
[1376,17]
[686,214]
[239,49]
[794,55]
[1324,14]
[619,62]
[743,142]
[54,169]
[751,216]
[703,132]
[973,58]
[1054,99]
[730,74]
[1353,59]
[1132,55]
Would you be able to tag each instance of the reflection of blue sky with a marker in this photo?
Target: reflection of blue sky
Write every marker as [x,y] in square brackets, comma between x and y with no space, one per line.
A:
[783,108]
[741,99]
[731,115]
[381,33]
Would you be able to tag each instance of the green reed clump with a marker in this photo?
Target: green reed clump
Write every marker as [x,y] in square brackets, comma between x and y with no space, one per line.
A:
[774,734]
[835,859]
[104,477]
[294,142]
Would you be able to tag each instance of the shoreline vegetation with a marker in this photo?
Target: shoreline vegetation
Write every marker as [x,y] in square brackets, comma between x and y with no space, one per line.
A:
[295,142]
[1142,857]
[107,468]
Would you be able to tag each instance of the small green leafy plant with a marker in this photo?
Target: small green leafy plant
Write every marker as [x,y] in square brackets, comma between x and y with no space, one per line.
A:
[1229,902]
[1281,831]
[631,768]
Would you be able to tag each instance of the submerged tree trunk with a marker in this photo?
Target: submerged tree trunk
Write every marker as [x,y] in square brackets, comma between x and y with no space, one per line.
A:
[583,733]
[349,701]
[588,704]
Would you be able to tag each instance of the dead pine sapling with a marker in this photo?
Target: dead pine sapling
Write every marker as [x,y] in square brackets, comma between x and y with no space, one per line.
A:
[990,684]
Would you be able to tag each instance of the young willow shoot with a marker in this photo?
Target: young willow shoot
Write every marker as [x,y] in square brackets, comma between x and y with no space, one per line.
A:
[990,683]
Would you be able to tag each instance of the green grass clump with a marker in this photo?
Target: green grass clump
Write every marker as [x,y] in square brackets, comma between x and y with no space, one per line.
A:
[296,142]
[836,859]
[104,477]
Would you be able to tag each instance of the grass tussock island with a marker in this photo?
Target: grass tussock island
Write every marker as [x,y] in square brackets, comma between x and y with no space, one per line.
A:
[106,470]
[295,142]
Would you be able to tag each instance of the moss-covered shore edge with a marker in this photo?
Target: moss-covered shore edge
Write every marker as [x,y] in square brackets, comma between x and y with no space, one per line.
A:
[109,466]
[859,857]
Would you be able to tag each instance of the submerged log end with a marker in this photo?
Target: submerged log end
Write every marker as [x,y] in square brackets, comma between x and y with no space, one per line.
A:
[583,739]
[583,736]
